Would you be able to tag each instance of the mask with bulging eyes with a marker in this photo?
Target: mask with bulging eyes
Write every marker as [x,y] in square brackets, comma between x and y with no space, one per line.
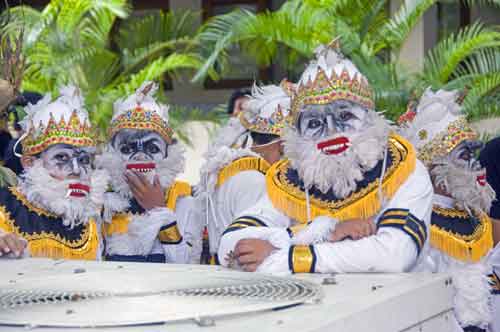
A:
[69,163]
[464,156]
[329,125]
[140,150]
[461,176]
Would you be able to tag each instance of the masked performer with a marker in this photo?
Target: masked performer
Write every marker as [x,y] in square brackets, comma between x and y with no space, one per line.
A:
[151,216]
[233,177]
[461,231]
[55,206]
[344,167]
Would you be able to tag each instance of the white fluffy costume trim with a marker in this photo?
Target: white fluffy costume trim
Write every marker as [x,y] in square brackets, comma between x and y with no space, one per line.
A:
[41,189]
[119,199]
[142,233]
[472,307]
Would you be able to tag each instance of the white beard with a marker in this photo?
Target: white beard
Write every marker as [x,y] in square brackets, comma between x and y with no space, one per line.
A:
[42,190]
[339,172]
[166,169]
[462,185]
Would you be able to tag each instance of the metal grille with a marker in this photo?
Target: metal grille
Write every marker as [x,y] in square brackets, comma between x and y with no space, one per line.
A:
[263,290]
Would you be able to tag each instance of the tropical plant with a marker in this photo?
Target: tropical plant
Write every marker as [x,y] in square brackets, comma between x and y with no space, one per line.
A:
[372,38]
[97,46]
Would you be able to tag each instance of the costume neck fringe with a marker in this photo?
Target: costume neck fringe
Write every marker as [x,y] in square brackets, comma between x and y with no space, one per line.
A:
[367,205]
[240,165]
[465,248]
[48,245]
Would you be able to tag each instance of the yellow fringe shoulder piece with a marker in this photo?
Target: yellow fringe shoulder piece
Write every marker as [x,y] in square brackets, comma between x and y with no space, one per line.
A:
[240,165]
[364,203]
[177,190]
[119,224]
[466,248]
[50,248]
[5,220]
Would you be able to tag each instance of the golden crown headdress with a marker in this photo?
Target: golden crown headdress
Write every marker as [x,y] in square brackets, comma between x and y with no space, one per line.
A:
[436,125]
[62,121]
[330,77]
[142,112]
[267,110]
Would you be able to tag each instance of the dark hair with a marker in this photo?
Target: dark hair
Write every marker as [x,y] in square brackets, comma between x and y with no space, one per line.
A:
[236,95]
[261,139]
[23,100]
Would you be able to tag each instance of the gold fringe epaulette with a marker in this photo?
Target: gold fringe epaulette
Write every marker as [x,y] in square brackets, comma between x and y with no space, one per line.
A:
[240,165]
[51,245]
[364,203]
[119,224]
[177,190]
[467,248]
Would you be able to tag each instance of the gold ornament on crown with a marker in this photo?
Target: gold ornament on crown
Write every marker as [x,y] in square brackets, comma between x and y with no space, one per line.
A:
[272,125]
[443,143]
[326,89]
[74,132]
[141,119]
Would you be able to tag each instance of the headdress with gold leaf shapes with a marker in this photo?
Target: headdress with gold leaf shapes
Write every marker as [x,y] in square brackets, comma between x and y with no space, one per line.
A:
[267,111]
[436,125]
[62,121]
[330,77]
[141,111]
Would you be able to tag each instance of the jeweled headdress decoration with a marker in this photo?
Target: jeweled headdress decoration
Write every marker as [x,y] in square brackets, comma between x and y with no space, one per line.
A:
[141,111]
[330,77]
[436,125]
[62,121]
[267,111]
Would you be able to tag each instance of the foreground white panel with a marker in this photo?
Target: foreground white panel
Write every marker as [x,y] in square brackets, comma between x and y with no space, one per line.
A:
[47,295]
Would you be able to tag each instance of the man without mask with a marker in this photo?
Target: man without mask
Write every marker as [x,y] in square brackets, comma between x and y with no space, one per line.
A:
[55,208]
[461,232]
[323,199]
[233,176]
[150,216]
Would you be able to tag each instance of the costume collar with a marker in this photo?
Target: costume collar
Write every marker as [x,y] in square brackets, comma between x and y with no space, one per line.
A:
[460,235]
[286,190]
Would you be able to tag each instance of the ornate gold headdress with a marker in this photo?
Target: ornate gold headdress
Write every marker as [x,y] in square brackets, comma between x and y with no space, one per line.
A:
[436,125]
[329,77]
[267,111]
[62,121]
[141,111]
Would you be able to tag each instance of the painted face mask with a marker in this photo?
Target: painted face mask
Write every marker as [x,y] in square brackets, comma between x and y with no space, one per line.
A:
[333,145]
[70,164]
[460,174]
[140,150]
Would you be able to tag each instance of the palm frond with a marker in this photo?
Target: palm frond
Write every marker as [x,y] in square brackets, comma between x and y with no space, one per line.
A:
[483,98]
[442,61]
[396,30]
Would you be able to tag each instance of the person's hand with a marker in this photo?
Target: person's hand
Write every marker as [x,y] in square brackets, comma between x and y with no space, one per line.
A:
[250,253]
[12,244]
[148,195]
[354,228]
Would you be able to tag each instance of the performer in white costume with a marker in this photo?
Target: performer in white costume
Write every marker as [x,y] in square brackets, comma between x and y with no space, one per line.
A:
[150,217]
[337,149]
[55,208]
[233,176]
[461,232]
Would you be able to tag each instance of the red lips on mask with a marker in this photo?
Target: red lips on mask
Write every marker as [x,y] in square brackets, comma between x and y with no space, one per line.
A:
[78,190]
[334,146]
[142,167]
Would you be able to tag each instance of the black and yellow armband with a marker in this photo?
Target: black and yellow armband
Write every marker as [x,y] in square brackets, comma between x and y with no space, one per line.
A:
[495,284]
[302,259]
[402,219]
[244,222]
[169,234]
